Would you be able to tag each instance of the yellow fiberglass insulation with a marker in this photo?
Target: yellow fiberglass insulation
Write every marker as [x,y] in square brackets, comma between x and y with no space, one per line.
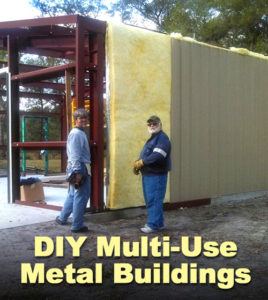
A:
[139,63]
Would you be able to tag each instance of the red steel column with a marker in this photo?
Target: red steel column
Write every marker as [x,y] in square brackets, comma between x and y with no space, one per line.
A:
[97,53]
[63,135]
[13,68]
[80,63]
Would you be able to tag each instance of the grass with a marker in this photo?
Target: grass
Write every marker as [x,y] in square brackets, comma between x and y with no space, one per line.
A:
[54,165]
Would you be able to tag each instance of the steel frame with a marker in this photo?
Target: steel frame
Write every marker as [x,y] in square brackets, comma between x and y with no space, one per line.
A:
[84,43]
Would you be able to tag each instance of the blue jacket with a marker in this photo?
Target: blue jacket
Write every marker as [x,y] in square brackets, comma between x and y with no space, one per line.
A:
[156,154]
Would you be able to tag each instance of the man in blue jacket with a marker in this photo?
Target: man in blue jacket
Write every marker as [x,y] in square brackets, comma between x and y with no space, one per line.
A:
[154,164]
[78,174]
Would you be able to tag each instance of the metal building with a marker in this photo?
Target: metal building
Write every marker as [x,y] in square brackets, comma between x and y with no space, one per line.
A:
[213,103]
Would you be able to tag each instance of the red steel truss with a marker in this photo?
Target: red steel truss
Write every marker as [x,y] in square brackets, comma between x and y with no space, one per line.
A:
[80,43]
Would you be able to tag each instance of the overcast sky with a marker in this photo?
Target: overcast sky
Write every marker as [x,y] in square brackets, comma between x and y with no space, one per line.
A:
[17,10]
[21,9]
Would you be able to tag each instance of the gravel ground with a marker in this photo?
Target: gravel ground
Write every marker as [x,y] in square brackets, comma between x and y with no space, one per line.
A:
[244,223]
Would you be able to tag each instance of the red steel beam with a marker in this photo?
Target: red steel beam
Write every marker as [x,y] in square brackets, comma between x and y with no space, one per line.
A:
[46,73]
[39,145]
[54,30]
[40,205]
[53,43]
[43,145]
[93,25]
[51,72]
[70,19]
[28,68]
[51,30]
[38,31]
[14,32]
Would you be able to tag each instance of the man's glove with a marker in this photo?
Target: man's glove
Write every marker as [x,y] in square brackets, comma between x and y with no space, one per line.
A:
[135,171]
[138,164]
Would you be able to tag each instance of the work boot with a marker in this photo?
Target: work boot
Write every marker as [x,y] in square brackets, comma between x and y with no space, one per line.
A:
[60,222]
[82,229]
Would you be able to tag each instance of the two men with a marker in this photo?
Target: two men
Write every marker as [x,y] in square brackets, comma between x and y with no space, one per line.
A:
[78,173]
[154,164]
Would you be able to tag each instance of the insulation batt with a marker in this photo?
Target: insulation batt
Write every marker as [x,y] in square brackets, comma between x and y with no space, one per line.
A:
[139,64]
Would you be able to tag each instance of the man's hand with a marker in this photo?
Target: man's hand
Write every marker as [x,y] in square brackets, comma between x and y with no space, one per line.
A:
[78,177]
[135,171]
[138,164]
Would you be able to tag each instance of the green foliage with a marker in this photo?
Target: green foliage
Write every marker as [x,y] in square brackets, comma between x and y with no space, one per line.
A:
[238,23]
[34,160]
[154,11]
[34,129]
[188,17]
[58,7]
[3,55]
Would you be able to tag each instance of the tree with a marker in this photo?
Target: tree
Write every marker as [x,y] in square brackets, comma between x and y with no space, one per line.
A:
[91,8]
[238,23]
[3,55]
[152,10]
[188,17]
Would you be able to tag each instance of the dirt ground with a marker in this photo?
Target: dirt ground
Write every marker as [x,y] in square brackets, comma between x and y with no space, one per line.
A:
[245,223]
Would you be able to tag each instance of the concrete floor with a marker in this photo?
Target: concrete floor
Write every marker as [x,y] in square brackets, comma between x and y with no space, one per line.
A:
[14,215]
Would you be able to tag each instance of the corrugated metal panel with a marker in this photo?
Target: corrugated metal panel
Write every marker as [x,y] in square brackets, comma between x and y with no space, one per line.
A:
[218,122]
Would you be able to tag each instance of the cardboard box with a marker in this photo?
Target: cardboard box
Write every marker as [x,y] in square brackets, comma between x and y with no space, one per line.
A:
[32,192]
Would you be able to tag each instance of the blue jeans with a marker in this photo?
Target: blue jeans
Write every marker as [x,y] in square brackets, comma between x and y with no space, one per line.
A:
[154,190]
[76,203]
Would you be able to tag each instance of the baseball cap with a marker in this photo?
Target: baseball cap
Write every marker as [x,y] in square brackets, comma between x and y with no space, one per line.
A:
[154,119]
